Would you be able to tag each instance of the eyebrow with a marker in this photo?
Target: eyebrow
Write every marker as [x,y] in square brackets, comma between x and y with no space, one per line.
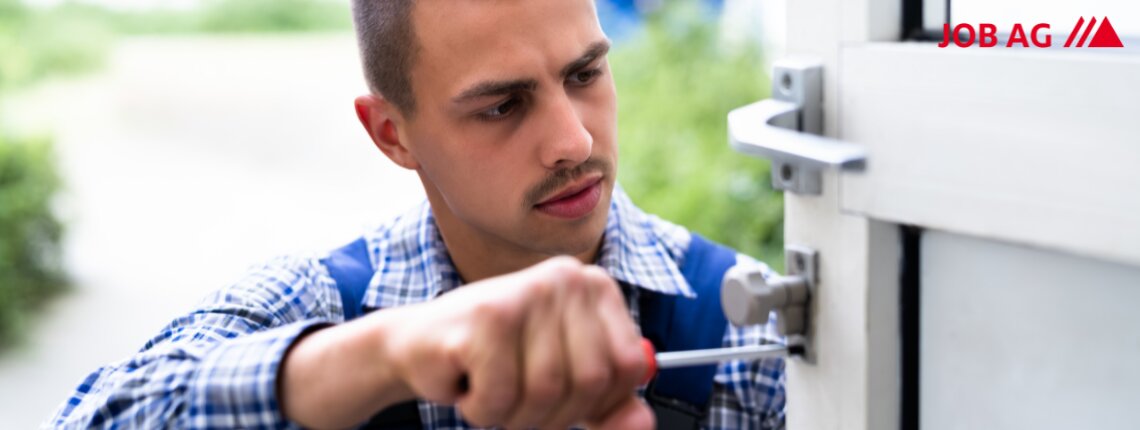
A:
[595,50]
[497,88]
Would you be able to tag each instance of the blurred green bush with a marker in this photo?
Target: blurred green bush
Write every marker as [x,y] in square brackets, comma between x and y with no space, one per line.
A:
[229,16]
[275,15]
[30,234]
[676,83]
[33,45]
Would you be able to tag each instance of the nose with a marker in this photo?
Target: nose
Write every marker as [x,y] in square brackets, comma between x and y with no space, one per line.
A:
[568,143]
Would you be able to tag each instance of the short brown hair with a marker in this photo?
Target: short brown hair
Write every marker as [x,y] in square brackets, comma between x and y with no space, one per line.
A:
[388,48]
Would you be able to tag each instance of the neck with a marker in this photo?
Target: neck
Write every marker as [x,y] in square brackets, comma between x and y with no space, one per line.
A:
[478,255]
[477,259]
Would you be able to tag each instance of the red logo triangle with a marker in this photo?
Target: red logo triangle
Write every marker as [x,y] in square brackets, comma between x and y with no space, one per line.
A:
[1105,37]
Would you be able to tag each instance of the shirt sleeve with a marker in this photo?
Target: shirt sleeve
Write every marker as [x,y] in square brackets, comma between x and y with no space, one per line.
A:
[749,394]
[215,367]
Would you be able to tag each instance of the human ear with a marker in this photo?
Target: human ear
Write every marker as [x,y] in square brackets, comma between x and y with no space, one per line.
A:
[382,120]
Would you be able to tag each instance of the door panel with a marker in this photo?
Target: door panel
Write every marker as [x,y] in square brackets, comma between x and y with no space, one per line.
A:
[1014,337]
[1024,146]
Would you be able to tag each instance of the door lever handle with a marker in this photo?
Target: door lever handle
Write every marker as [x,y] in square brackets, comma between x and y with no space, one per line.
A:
[786,128]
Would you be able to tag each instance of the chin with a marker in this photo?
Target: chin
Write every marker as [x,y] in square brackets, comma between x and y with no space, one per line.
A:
[576,239]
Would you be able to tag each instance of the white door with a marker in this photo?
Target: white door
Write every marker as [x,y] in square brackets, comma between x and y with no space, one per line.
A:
[982,269]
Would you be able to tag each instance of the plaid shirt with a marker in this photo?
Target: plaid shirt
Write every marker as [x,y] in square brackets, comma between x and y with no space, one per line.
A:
[217,366]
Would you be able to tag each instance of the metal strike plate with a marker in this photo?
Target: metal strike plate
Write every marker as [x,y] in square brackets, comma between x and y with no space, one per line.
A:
[803,262]
[786,129]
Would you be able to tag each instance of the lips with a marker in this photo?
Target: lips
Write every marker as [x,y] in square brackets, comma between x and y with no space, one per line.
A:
[575,201]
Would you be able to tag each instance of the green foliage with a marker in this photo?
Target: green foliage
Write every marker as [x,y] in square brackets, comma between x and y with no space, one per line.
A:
[29,232]
[59,28]
[676,83]
[33,46]
[275,15]
[37,44]
[235,16]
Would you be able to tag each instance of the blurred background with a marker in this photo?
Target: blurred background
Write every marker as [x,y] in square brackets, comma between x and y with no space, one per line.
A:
[150,150]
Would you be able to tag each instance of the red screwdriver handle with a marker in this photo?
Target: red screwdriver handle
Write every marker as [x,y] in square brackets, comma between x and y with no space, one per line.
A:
[650,360]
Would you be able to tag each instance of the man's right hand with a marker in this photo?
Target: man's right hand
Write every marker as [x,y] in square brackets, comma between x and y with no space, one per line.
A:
[550,346]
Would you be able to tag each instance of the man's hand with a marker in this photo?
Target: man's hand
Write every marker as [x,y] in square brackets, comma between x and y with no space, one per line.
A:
[549,346]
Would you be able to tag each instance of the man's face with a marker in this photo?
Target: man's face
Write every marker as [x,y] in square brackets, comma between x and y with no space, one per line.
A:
[515,121]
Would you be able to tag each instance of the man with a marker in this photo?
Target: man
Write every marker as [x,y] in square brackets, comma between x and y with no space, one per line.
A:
[507,112]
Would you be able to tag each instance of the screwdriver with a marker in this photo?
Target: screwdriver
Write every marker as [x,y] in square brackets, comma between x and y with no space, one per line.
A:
[700,357]
[697,357]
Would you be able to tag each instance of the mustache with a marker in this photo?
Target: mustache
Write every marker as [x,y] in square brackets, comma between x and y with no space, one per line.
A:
[561,178]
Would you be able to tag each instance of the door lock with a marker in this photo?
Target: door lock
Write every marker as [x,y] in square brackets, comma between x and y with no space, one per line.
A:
[748,298]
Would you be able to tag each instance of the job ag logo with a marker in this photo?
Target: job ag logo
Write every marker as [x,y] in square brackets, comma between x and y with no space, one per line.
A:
[964,35]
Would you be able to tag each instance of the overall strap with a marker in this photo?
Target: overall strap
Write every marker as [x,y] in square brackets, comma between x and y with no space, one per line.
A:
[680,397]
[350,267]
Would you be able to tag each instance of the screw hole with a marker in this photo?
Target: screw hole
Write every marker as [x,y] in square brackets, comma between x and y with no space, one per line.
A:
[799,258]
[786,82]
[786,172]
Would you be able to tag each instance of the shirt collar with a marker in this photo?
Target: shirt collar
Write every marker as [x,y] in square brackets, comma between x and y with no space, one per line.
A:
[642,250]
[413,265]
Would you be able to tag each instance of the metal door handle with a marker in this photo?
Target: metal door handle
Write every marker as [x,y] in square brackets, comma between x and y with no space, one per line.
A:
[786,128]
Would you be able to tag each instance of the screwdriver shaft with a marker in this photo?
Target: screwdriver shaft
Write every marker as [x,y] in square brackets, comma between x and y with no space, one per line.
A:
[698,357]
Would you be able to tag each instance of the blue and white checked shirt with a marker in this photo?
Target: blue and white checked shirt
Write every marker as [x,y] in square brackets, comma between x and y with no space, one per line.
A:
[217,366]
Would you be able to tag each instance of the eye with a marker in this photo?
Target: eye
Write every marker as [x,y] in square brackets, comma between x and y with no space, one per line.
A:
[582,78]
[500,111]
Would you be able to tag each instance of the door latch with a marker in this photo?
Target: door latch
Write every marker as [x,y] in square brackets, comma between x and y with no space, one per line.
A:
[748,297]
[786,129]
